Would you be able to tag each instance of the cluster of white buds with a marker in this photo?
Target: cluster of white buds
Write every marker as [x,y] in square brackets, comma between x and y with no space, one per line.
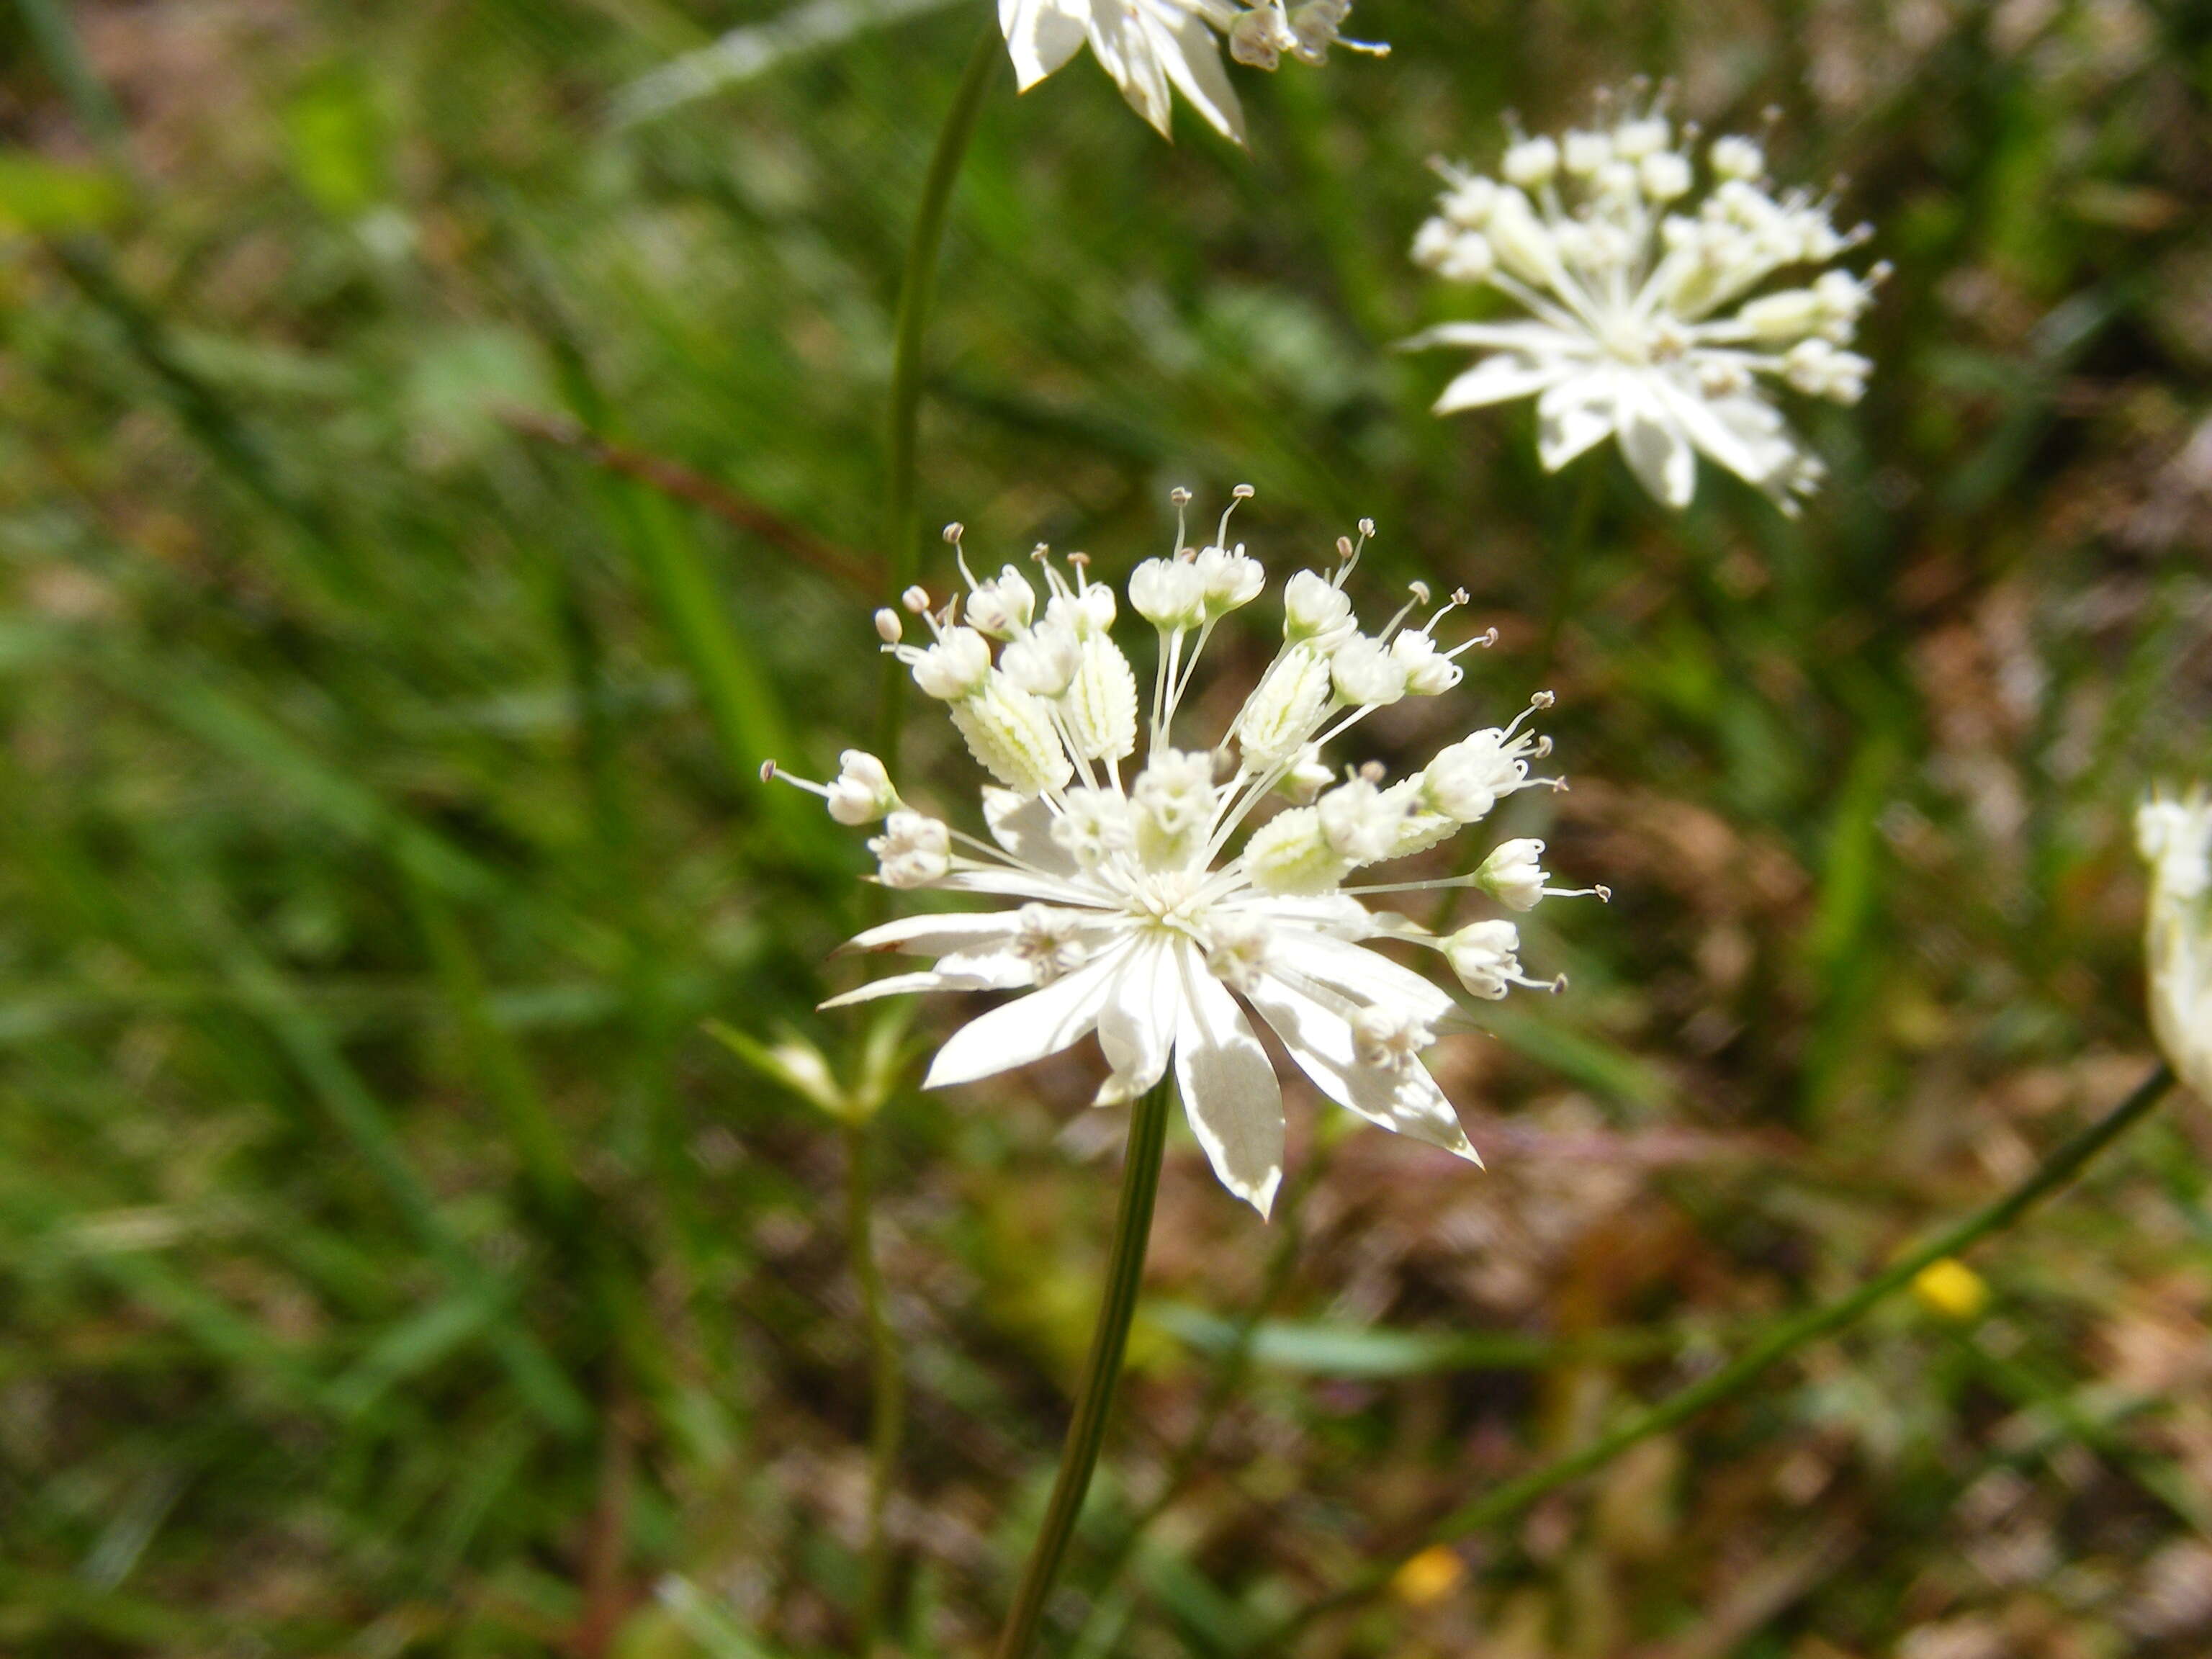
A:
[1143,910]
[1153,46]
[2175,837]
[1646,322]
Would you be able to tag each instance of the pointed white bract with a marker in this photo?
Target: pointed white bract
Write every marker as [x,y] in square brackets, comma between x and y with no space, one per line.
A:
[2176,838]
[1665,300]
[1160,901]
[1154,48]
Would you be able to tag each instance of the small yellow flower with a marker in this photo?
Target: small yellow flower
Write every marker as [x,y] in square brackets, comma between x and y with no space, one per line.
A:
[1429,1577]
[1951,1288]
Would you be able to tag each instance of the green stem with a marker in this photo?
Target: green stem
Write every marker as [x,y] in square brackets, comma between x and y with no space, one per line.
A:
[887,1383]
[917,293]
[1109,1341]
[1228,1382]
[1505,1502]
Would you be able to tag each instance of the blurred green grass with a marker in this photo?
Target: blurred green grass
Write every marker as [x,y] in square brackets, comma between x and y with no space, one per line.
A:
[392,1265]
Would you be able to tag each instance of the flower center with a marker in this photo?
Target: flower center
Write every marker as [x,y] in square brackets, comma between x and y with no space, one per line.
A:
[1167,898]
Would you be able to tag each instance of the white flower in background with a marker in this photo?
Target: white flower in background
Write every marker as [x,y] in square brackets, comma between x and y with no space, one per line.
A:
[1137,905]
[1149,46]
[2176,837]
[1650,317]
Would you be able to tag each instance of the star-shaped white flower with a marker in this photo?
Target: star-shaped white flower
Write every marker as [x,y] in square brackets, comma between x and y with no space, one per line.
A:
[1127,913]
[1150,46]
[2176,837]
[1646,323]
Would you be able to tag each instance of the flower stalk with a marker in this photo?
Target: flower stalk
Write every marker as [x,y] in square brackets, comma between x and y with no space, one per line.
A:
[1101,1370]
[1785,1338]
[887,1382]
[917,294]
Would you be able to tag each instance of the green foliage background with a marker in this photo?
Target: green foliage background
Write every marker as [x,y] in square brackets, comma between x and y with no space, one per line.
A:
[398,419]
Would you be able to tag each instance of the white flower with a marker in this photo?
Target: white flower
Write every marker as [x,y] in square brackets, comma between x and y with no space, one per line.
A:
[1137,907]
[1645,323]
[2176,837]
[1150,46]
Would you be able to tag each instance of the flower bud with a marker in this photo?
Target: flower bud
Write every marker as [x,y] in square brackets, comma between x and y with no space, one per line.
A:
[1467,203]
[1484,956]
[1359,822]
[2176,837]
[1522,244]
[1229,578]
[1736,158]
[1531,163]
[1584,152]
[1314,609]
[1365,673]
[1465,780]
[1169,594]
[1640,139]
[955,667]
[1666,176]
[1469,258]
[1511,875]
[1003,606]
[1780,318]
[1429,672]
[1044,661]
[914,850]
[861,792]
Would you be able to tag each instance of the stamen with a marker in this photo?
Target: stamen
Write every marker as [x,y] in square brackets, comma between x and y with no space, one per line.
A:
[1242,493]
[771,773]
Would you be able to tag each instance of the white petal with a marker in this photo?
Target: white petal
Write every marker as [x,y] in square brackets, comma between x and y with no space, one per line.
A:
[1023,827]
[1529,339]
[1336,914]
[990,973]
[1499,379]
[1043,1023]
[1041,35]
[1187,49]
[1137,1026]
[1230,1091]
[935,935]
[1018,884]
[1119,41]
[1361,975]
[1572,417]
[1740,452]
[1655,445]
[1320,1040]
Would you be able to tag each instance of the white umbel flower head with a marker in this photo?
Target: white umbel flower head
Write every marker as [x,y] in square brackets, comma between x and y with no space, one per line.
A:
[1136,903]
[2176,837]
[1154,48]
[1660,314]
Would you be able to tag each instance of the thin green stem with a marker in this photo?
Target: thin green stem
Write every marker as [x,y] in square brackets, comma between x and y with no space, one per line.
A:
[1228,1382]
[1109,1342]
[917,293]
[887,1383]
[1784,1339]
